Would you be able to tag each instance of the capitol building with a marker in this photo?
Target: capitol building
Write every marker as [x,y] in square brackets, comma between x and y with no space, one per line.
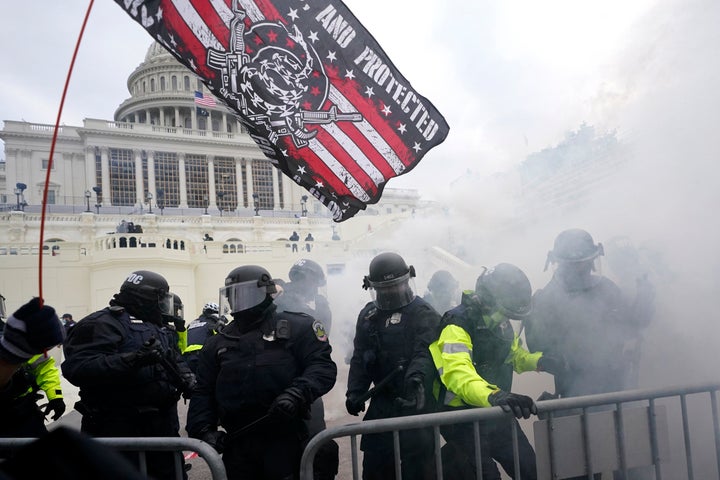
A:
[201,198]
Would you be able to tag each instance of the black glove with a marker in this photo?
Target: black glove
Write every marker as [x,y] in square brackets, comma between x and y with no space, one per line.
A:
[521,406]
[150,353]
[290,403]
[57,406]
[179,324]
[414,394]
[554,365]
[214,438]
[354,406]
[31,330]
[189,383]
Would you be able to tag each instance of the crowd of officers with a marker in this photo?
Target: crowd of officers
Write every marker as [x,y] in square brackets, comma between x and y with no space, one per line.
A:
[256,365]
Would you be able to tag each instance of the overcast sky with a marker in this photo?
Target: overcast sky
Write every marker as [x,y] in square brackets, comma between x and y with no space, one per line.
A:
[510,76]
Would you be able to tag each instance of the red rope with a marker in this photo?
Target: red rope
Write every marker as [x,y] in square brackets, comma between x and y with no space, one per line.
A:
[52,151]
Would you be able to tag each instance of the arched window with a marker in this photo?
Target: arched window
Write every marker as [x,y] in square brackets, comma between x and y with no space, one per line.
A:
[173,82]
[162,84]
[152,84]
[186,81]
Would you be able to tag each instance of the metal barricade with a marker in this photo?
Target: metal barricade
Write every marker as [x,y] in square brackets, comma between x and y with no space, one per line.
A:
[142,445]
[663,433]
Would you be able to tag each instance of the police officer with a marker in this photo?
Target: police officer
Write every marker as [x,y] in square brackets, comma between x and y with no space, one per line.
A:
[475,356]
[257,379]
[581,317]
[128,369]
[391,342]
[199,330]
[302,294]
[442,291]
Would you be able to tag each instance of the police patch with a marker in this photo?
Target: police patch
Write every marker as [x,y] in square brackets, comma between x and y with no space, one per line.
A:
[319,330]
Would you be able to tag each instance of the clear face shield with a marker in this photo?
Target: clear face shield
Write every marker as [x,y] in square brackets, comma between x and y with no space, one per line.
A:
[393,294]
[166,303]
[242,296]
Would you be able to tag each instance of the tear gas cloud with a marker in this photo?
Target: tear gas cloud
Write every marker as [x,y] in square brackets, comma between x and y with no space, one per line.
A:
[663,108]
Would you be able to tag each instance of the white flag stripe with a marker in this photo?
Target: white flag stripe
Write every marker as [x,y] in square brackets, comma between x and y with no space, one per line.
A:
[368,131]
[223,11]
[339,171]
[252,10]
[197,25]
[358,156]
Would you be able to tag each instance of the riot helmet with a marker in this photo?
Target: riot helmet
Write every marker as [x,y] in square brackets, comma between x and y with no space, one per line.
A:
[246,287]
[3,315]
[307,278]
[306,270]
[210,308]
[505,289]
[178,308]
[574,246]
[442,281]
[443,290]
[145,293]
[389,281]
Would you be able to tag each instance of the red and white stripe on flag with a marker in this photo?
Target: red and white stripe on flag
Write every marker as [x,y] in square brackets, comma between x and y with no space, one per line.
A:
[315,90]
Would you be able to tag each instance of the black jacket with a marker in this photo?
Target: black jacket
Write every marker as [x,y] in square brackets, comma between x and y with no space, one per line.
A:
[586,325]
[385,339]
[93,362]
[240,373]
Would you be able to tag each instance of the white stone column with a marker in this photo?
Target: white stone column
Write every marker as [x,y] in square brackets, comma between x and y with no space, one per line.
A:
[212,203]
[224,123]
[177,117]
[152,188]
[182,180]
[249,185]
[139,187]
[193,118]
[276,189]
[287,187]
[105,174]
[162,117]
[238,182]
[90,174]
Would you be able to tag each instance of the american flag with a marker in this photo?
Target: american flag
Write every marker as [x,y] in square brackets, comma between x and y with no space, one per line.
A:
[200,99]
[314,89]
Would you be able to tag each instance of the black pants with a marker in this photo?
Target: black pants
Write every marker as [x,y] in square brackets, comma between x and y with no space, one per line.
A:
[416,456]
[495,445]
[264,455]
[126,423]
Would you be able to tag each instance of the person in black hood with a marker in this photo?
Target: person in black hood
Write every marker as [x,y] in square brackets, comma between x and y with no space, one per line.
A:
[257,379]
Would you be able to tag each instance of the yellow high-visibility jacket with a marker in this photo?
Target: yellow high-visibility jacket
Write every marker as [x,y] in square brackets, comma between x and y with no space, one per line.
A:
[46,375]
[474,361]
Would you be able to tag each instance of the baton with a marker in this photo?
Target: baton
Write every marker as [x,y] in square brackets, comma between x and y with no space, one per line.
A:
[247,427]
[390,376]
